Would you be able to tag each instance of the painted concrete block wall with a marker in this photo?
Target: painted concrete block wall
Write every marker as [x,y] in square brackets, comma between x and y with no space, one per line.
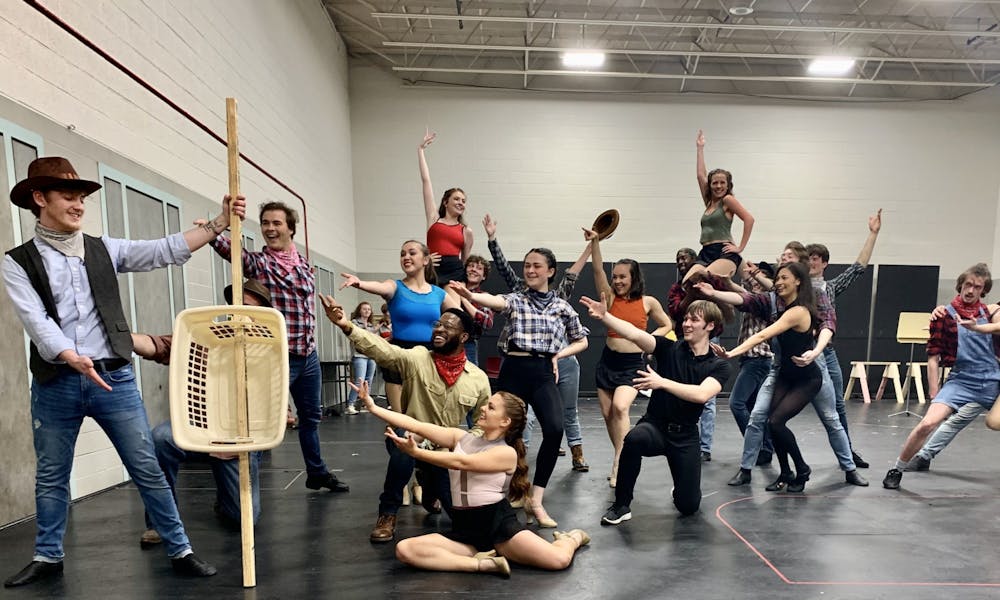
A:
[546,164]
[281,60]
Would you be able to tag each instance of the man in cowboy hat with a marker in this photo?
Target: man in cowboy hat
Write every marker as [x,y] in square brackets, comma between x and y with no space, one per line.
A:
[64,287]
[225,469]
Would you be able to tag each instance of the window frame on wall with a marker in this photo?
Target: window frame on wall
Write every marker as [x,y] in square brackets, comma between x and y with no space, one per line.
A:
[330,345]
[10,132]
[220,273]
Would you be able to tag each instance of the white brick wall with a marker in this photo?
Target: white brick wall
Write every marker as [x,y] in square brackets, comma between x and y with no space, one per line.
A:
[544,164]
[282,60]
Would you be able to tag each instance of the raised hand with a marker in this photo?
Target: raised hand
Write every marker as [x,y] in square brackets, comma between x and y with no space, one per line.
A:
[428,139]
[875,222]
[490,226]
[700,140]
[589,234]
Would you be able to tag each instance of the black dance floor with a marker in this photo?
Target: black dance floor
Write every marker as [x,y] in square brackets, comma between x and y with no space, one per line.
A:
[932,539]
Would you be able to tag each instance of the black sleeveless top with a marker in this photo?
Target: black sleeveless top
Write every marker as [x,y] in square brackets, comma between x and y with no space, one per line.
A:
[794,343]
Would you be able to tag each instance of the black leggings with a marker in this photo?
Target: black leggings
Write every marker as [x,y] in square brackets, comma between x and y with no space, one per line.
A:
[532,380]
[788,400]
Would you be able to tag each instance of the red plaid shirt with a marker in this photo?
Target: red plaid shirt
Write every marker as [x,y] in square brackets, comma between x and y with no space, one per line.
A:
[943,341]
[293,293]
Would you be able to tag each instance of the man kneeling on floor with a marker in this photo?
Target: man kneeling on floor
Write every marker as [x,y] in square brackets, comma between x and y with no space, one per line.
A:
[688,374]
[439,387]
[225,466]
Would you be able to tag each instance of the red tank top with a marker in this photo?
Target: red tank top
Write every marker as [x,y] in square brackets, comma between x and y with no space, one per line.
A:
[446,240]
[632,311]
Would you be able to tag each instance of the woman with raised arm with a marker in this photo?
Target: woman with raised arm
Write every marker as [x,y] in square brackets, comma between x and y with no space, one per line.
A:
[541,328]
[798,379]
[414,302]
[621,359]
[719,255]
[447,234]
[486,466]
[568,366]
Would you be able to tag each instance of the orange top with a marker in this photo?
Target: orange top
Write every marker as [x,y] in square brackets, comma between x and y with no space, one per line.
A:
[633,311]
[446,240]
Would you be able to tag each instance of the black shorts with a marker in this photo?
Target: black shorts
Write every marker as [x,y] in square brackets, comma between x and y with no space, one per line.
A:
[713,252]
[617,369]
[483,527]
[451,268]
[393,376]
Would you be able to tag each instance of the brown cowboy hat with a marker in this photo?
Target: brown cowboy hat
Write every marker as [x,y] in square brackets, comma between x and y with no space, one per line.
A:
[251,286]
[606,223]
[49,173]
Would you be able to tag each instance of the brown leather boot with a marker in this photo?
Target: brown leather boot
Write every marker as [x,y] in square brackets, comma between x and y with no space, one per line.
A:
[579,463]
[385,529]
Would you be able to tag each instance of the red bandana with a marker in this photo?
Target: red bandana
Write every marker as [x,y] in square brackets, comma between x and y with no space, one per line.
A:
[449,367]
[966,311]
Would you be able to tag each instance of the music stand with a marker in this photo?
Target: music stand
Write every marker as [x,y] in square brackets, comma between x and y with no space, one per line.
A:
[913,328]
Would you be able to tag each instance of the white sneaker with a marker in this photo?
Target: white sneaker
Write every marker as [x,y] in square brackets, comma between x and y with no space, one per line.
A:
[351,410]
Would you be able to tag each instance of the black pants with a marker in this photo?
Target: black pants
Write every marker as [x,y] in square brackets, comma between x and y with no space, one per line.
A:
[682,447]
[435,480]
[788,400]
[532,380]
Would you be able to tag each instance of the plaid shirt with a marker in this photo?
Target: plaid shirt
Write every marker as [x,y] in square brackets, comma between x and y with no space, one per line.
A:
[839,284]
[483,317]
[943,341]
[547,329]
[751,325]
[760,305]
[293,294]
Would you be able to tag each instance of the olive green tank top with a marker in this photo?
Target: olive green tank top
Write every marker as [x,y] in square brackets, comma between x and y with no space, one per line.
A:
[716,226]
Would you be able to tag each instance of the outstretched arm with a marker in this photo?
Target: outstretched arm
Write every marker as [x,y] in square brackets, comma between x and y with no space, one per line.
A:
[599,311]
[710,292]
[386,289]
[209,230]
[445,437]
[597,264]
[874,226]
[430,209]
[490,301]
[701,393]
[793,317]
[702,172]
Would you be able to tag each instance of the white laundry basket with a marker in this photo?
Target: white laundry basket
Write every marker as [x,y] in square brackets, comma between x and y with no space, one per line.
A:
[210,347]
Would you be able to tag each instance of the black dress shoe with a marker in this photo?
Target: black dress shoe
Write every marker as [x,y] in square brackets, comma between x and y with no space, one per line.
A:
[892,479]
[35,571]
[192,566]
[327,480]
[798,485]
[742,477]
[855,478]
[706,456]
[780,483]
[858,461]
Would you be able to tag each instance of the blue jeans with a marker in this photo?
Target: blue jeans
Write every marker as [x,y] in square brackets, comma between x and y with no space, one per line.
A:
[753,372]
[569,389]
[57,410]
[225,472]
[364,370]
[435,481]
[947,431]
[706,426]
[837,378]
[826,409]
[305,380]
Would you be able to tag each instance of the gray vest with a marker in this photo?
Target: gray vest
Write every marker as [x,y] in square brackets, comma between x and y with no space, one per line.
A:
[103,285]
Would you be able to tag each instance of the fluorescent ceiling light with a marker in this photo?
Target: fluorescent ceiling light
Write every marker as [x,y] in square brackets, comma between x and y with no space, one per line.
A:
[830,66]
[740,11]
[583,59]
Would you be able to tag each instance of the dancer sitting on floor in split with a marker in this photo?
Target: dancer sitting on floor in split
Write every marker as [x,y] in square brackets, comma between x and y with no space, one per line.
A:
[440,387]
[687,375]
[798,381]
[719,255]
[541,328]
[621,358]
[485,465]
[972,356]
[447,234]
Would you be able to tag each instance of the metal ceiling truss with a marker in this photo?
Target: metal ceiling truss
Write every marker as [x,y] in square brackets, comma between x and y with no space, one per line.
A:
[904,49]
